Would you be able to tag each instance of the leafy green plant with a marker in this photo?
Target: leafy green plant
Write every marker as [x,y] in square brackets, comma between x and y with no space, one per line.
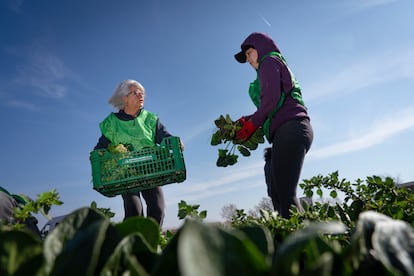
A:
[106,211]
[42,204]
[375,193]
[87,243]
[190,211]
[319,241]
[225,133]
[208,249]
[119,148]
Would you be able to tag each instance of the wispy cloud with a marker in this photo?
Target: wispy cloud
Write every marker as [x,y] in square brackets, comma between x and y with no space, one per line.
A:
[16,5]
[385,128]
[367,4]
[374,70]
[222,183]
[22,105]
[197,130]
[45,72]
[237,174]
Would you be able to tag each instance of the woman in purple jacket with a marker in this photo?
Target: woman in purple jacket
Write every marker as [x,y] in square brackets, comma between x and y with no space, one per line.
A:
[282,115]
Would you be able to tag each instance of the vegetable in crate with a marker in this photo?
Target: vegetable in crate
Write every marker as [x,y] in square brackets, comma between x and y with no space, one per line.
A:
[115,172]
[226,132]
[120,148]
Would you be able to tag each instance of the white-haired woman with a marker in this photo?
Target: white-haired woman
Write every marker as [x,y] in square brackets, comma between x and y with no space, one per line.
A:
[134,125]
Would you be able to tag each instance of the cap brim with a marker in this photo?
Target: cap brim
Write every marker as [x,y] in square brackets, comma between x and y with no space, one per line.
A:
[240,57]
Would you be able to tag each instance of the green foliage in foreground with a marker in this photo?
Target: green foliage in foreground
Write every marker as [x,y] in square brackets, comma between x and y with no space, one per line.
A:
[358,236]
[377,194]
[106,211]
[87,243]
[42,204]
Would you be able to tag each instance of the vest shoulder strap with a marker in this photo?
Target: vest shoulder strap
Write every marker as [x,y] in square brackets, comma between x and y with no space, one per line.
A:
[295,93]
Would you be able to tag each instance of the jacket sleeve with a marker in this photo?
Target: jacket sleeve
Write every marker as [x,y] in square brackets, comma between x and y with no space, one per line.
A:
[103,143]
[161,132]
[270,89]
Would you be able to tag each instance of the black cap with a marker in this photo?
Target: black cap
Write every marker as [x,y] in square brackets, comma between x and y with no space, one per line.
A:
[241,56]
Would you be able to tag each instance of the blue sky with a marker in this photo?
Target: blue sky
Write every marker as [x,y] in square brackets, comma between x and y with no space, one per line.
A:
[61,60]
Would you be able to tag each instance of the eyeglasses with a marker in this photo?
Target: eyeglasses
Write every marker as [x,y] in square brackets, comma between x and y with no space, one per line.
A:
[137,93]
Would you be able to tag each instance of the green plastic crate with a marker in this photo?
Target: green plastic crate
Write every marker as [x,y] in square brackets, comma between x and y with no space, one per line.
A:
[114,174]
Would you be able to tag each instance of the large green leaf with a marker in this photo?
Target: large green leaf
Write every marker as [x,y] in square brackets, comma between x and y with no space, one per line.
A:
[261,237]
[133,255]
[205,249]
[324,266]
[365,227]
[148,228]
[20,253]
[288,255]
[81,244]
[394,245]
[167,263]
[387,240]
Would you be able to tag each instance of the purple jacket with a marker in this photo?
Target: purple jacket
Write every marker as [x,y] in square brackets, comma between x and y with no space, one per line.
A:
[274,78]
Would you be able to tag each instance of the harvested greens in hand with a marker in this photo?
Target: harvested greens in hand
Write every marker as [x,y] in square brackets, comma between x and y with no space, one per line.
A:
[226,134]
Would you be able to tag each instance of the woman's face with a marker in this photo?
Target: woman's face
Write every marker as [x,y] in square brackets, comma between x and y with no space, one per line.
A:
[252,57]
[135,98]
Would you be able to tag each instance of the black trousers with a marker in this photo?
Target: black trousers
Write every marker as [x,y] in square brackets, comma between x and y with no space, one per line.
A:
[154,199]
[290,144]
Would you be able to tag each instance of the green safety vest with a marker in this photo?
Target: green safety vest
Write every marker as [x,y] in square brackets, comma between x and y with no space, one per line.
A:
[139,132]
[254,93]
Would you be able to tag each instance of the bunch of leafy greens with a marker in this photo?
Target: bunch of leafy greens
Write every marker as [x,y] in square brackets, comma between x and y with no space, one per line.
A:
[226,132]
[119,148]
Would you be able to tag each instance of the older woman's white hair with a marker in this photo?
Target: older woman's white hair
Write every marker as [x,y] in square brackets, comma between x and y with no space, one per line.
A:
[123,90]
